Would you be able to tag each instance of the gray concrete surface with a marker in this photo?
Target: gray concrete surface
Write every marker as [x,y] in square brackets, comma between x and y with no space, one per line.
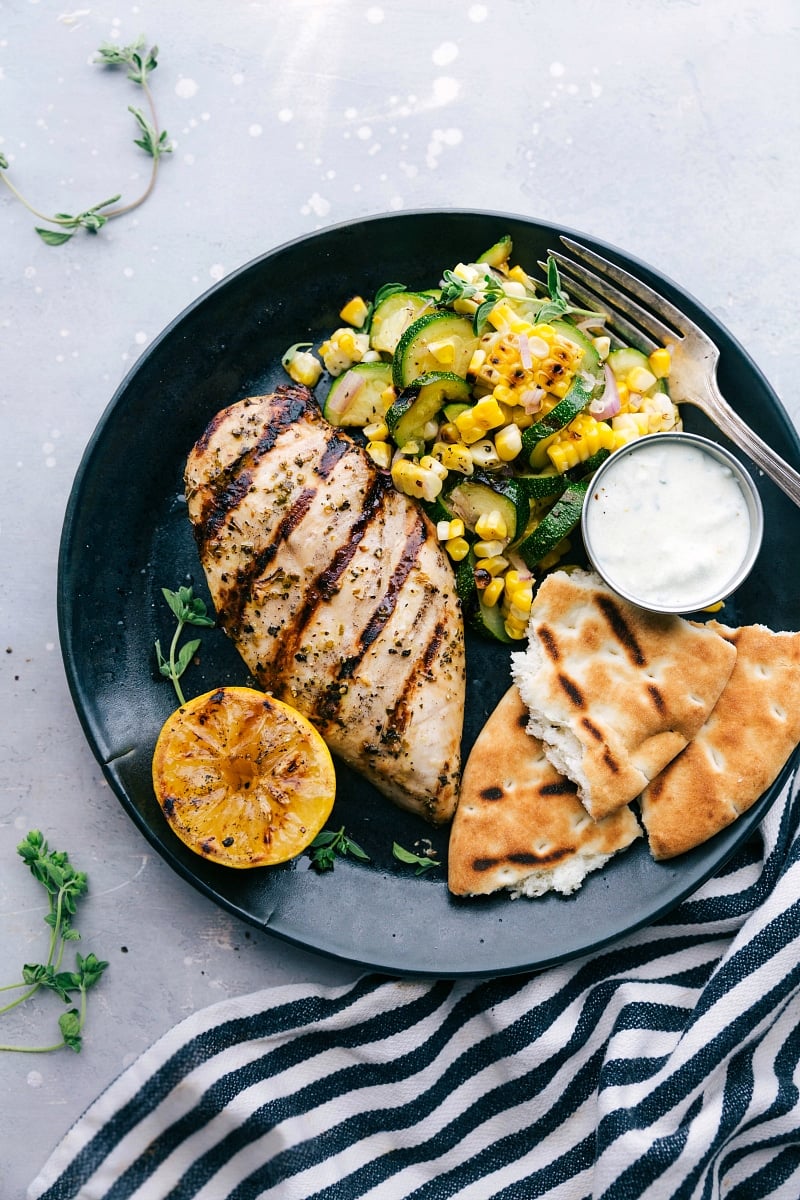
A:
[667,127]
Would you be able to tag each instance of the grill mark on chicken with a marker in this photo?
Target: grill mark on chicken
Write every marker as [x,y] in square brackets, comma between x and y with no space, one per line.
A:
[222,504]
[335,449]
[383,612]
[621,628]
[239,593]
[400,715]
[325,586]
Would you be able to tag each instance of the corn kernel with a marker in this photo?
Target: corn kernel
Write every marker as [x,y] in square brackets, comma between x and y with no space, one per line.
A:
[355,312]
[486,414]
[491,525]
[447,530]
[347,342]
[484,454]
[469,431]
[303,367]
[515,631]
[429,463]
[486,549]
[508,442]
[501,315]
[519,276]
[640,379]
[380,453]
[503,394]
[495,565]
[492,593]
[376,431]
[466,272]
[660,363]
[602,345]
[563,456]
[454,457]
[477,361]
[522,597]
[444,352]
[465,306]
[457,548]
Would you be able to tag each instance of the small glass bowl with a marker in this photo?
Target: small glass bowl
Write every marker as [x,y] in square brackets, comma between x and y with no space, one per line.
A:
[616,472]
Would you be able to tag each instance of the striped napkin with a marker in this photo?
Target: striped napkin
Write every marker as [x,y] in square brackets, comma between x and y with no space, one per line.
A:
[665,1067]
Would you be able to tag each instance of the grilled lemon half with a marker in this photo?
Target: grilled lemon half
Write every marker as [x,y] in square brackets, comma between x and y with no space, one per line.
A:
[243,779]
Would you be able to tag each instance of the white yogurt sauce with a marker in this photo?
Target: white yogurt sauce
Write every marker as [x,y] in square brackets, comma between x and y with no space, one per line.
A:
[668,524]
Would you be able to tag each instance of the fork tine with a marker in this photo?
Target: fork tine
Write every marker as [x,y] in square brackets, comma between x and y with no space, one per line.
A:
[624,332]
[660,318]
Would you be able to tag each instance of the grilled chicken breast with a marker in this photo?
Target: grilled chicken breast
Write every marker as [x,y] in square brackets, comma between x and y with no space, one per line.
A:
[335,591]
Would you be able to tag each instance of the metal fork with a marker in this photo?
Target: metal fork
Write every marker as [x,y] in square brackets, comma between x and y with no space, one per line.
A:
[641,317]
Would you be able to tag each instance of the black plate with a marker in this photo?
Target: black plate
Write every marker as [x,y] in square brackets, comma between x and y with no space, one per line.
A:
[126,535]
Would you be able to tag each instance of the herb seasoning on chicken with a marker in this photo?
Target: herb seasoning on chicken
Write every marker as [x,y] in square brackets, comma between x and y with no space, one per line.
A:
[335,591]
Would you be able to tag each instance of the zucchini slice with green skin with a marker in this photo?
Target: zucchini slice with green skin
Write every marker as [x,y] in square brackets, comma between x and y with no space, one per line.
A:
[586,469]
[393,316]
[565,411]
[555,525]
[626,359]
[417,404]
[413,358]
[498,254]
[481,494]
[591,359]
[541,487]
[367,403]
[466,587]
[489,622]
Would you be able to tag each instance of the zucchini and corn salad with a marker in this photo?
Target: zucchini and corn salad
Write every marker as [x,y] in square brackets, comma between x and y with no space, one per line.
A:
[492,400]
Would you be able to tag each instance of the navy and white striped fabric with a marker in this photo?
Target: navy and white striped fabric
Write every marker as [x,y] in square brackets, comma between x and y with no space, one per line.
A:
[666,1067]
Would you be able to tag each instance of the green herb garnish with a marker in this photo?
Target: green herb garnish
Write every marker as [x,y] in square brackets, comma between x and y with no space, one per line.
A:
[421,861]
[187,609]
[454,288]
[153,141]
[558,304]
[326,845]
[64,886]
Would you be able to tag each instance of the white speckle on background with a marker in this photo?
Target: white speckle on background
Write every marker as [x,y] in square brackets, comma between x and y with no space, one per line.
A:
[595,88]
[556,69]
[128,272]
[237,79]
[49,647]
[30,272]
[445,90]
[478,12]
[351,113]
[185,88]
[255,130]
[140,338]
[444,54]
[364,133]
[189,160]
[63,333]
[317,205]
[374,15]
[396,203]
[216,271]
[439,139]
[285,115]
[35,1079]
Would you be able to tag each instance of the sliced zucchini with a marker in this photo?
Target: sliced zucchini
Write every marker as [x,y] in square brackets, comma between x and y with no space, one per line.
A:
[466,588]
[413,356]
[438,509]
[451,411]
[565,411]
[489,622]
[626,359]
[498,254]
[416,405]
[393,316]
[366,403]
[540,487]
[480,495]
[591,359]
[585,469]
[555,525]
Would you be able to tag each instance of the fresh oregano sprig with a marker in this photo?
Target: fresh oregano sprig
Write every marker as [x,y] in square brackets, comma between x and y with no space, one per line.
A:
[155,142]
[421,862]
[64,886]
[187,609]
[487,292]
[328,844]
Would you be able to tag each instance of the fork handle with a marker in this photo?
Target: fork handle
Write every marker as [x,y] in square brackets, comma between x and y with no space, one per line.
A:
[725,418]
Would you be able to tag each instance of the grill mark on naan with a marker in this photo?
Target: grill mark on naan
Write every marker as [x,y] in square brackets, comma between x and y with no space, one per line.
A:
[657,698]
[573,691]
[610,761]
[625,635]
[548,640]
[523,859]
[562,787]
[492,793]
[592,729]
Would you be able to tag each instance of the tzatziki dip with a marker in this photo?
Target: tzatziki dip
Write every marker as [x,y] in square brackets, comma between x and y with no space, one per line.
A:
[672,522]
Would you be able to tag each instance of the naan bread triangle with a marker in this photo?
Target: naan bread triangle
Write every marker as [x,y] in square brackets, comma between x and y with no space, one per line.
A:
[739,751]
[613,691]
[519,824]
